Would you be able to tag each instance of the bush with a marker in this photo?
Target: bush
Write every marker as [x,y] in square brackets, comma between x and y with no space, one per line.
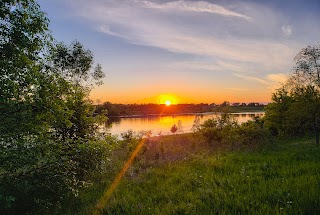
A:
[217,128]
[38,173]
[252,132]
[225,129]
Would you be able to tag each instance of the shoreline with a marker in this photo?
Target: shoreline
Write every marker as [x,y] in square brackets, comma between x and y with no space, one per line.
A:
[183,114]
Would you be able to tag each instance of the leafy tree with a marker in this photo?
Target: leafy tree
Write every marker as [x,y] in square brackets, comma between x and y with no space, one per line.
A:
[74,64]
[48,141]
[23,36]
[295,108]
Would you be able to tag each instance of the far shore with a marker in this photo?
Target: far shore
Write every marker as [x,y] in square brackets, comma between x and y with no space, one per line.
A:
[184,114]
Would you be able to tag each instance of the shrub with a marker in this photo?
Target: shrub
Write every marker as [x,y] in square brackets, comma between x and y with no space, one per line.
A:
[225,129]
[217,128]
[38,173]
[252,132]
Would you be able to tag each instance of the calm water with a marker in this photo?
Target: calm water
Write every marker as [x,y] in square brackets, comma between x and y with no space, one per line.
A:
[162,125]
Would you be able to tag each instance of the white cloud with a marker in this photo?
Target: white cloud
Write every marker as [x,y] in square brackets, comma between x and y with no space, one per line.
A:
[287,30]
[175,33]
[209,32]
[195,6]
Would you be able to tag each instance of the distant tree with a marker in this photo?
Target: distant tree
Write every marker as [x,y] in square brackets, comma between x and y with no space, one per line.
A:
[251,104]
[225,103]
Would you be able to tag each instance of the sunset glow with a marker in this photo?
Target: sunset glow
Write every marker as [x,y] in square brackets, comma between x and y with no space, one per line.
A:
[168,99]
[202,51]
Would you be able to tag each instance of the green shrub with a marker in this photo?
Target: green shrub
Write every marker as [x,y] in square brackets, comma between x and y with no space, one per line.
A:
[252,132]
[38,173]
[217,128]
[225,129]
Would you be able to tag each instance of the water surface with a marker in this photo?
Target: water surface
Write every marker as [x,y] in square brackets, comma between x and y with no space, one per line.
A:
[161,125]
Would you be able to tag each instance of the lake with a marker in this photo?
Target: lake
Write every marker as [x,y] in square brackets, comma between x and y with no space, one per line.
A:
[161,125]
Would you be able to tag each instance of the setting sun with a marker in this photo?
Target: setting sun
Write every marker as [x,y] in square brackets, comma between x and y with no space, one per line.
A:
[167,99]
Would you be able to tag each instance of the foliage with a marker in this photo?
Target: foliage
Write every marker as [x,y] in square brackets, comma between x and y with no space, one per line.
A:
[224,128]
[49,147]
[46,171]
[23,35]
[252,132]
[295,108]
[217,128]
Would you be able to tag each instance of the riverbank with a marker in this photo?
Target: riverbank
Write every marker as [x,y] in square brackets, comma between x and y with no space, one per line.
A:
[182,174]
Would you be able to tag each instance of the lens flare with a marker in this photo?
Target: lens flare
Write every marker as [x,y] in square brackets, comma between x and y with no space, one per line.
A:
[108,192]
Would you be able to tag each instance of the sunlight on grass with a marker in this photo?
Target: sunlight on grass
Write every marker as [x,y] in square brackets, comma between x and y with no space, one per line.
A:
[108,192]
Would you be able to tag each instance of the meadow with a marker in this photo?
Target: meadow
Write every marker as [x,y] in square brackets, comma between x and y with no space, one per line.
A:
[183,174]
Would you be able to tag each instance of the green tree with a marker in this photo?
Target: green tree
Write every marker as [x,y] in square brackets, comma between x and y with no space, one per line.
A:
[295,108]
[23,36]
[48,141]
[75,65]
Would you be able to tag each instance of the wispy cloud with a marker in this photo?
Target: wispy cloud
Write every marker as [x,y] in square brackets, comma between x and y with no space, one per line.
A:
[251,78]
[230,40]
[271,81]
[195,6]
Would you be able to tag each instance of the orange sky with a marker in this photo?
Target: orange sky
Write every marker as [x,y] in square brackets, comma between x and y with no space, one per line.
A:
[182,98]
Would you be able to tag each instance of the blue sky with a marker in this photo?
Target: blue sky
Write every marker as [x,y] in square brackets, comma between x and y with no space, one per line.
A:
[196,51]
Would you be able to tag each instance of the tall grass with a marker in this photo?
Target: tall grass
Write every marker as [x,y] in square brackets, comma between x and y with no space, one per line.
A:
[280,178]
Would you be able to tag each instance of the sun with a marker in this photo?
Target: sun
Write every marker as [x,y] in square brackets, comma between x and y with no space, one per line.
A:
[167,99]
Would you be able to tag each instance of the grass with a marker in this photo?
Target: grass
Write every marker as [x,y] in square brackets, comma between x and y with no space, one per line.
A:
[182,175]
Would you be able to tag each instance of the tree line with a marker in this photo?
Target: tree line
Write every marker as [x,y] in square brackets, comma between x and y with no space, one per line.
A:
[156,109]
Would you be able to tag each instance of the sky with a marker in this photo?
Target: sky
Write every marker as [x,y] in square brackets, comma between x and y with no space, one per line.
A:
[185,50]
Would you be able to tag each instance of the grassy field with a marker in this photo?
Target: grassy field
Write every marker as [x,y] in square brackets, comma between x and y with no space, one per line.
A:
[181,174]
